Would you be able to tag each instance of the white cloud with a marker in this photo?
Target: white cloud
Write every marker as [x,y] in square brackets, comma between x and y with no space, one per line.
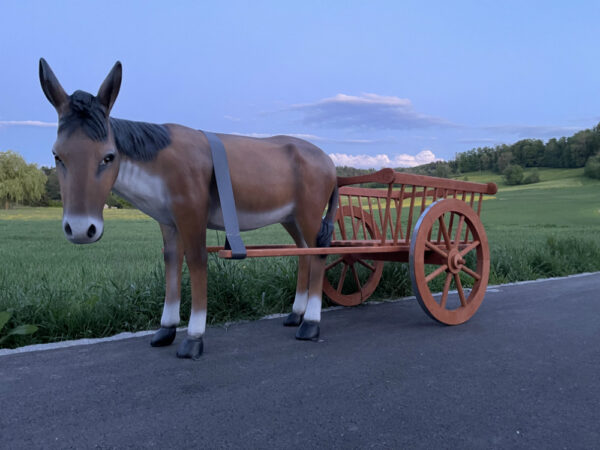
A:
[371,111]
[27,123]
[383,160]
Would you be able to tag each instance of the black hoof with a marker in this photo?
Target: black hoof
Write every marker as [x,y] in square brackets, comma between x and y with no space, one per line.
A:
[308,331]
[190,348]
[163,337]
[292,320]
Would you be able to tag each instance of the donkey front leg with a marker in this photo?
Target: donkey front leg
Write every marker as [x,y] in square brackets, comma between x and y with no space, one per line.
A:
[196,259]
[309,329]
[173,256]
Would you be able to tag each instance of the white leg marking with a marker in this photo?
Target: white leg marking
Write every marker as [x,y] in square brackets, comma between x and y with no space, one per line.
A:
[313,310]
[170,315]
[300,302]
[197,324]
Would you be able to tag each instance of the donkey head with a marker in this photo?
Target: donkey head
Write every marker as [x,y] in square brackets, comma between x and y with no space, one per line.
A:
[87,160]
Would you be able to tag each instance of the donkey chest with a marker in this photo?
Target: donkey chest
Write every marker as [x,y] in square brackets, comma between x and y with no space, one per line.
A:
[145,191]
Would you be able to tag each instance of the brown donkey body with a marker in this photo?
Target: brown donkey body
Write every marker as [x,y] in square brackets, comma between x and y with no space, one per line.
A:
[167,172]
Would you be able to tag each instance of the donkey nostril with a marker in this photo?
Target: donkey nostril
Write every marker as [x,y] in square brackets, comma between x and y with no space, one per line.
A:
[91,231]
[68,230]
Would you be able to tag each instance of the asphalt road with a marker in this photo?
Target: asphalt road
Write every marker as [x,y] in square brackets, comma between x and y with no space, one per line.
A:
[523,373]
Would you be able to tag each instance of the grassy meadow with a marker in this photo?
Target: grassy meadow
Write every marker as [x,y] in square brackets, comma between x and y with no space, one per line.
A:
[550,228]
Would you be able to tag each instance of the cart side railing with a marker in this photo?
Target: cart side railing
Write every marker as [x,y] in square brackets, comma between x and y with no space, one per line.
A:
[380,220]
[385,216]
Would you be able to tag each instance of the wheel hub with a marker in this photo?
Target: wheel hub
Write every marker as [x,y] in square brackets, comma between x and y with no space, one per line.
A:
[455,261]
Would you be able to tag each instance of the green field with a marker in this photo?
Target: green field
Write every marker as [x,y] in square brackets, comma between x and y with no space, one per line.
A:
[551,228]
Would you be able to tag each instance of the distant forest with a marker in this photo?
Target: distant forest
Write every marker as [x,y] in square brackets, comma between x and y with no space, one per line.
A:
[565,152]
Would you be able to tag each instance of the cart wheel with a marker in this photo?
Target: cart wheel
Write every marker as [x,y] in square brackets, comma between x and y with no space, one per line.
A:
[350,280]
[448,252]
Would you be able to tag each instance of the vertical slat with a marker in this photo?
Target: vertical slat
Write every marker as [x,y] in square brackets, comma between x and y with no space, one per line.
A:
[362,217]
[380,215]
[398,229]
[410,212]
[479,204]
[423,199]
[439,235]
[454,194]
[467,227]
[352,217]
[386,217]
[371,213]
[342,221]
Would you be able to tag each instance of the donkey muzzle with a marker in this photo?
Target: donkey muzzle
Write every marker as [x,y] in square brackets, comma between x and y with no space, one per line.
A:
[82,229]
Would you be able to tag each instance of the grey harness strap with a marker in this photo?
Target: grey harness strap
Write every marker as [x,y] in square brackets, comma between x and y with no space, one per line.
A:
[233,241]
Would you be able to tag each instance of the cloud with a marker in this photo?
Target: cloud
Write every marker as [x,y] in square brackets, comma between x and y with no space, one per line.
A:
[478,141]
[27,123]
[367,111]
[383,160]
[315,138]
[533,131]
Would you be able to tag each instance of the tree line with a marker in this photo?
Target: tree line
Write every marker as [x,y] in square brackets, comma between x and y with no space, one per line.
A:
[26,184]
[580,150]
[565,152]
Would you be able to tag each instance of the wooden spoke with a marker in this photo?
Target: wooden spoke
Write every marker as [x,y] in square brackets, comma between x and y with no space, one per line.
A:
[435,273]
[459,230]
[342,278]
[367,265]
[469,247]
[459,288]
[446,289]
[445,233]
[469,272]
[357,216]
[436,249]
[334,263]
[355,273]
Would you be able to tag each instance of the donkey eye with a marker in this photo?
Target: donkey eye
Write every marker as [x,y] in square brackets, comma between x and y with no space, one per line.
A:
[108,159]
[57,160]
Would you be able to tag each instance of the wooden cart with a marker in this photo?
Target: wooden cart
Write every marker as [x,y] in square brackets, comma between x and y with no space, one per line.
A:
[447,248]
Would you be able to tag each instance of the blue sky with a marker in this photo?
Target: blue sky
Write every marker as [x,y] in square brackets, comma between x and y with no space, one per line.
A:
[372,83]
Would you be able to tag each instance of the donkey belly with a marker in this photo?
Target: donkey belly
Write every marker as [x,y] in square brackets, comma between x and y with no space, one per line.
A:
[251,220]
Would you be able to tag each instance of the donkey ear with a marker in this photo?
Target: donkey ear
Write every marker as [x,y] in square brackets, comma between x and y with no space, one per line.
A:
[50,85]
[107,94]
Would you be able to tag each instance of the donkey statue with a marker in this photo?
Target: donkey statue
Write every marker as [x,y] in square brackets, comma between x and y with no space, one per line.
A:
[167,172]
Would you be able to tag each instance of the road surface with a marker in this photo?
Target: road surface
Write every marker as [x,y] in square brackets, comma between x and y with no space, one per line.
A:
[523,373]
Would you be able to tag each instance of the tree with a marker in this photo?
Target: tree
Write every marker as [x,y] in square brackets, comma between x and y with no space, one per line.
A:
[532,177]
[504,161]
[52,186]
[19,181]
[513,174]
[592,167]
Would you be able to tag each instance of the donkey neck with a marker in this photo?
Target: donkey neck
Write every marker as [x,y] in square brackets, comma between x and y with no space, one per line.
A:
[144,189]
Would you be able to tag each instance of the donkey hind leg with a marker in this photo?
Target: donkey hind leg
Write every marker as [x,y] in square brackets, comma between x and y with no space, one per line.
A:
[301,299]
[309,329]
[196,257]
[173,256]
[307,304]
